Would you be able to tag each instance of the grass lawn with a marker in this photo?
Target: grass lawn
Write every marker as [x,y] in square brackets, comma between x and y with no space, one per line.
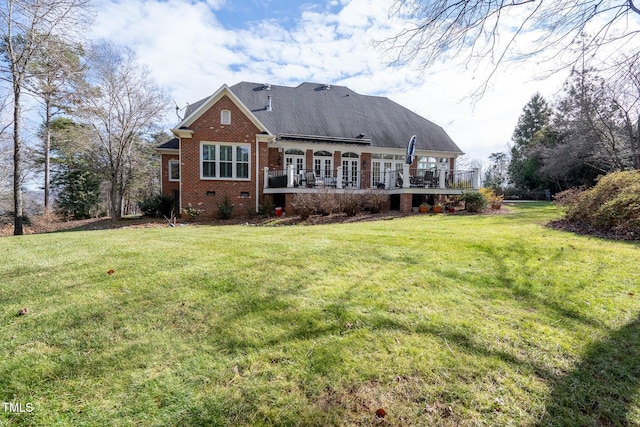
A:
[440,320]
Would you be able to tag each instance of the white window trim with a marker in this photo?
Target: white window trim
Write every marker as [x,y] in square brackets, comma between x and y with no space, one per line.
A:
[324,173]
[225,120]
[234,146]
[393,163]
[293,158]
[174,162]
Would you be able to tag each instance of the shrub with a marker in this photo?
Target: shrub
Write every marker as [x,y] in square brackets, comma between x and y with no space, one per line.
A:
[326,202]
[267,208]
[8,218]
[304,204]
[613,204]
[474,201]
[350,203]
[523,194]
[193,212]
[158,206]
[225,209]
[492,198]
[375,201]
[568,198]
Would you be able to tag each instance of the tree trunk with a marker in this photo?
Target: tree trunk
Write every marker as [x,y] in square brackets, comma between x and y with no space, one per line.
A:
[47,154]
[116,198]
[47,157]
[17,163]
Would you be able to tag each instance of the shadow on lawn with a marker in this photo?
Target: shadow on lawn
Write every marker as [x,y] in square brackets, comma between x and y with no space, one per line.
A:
[602,388]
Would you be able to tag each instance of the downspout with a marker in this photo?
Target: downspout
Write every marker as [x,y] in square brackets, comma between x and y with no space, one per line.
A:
[257,173]
[180,182]
[161,176]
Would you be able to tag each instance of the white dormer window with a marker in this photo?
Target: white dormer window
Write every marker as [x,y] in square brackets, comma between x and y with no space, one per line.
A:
[225,117]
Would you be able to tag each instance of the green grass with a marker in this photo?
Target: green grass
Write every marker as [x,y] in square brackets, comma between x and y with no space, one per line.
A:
[440,320]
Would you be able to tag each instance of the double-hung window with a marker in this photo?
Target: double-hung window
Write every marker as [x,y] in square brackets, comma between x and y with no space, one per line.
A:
[209,169]
[224,161]
[242,161]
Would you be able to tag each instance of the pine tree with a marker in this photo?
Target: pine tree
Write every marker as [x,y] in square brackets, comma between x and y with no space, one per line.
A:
[530,136]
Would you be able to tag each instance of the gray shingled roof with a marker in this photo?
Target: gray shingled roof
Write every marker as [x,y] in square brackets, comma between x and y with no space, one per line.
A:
[339,112]
[172,144]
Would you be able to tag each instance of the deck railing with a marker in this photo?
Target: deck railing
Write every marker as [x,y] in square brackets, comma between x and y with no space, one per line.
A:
[309,178]
[389,179]
[460,180]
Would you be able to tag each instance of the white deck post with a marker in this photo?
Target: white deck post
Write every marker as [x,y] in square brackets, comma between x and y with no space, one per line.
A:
[266,177]
[387,178]
[290,176]
[476,178]
[339,177]
[405,176]
[441,178]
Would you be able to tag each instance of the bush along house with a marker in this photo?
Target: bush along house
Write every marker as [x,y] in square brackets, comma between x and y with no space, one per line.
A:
[256,144]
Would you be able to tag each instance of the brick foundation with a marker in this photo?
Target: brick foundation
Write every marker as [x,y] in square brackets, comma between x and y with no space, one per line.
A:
[405,203]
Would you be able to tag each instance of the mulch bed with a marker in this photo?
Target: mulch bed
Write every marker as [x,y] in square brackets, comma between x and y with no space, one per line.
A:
[587,230]
[49,225]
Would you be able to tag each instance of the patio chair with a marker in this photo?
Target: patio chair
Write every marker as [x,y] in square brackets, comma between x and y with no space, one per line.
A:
[313,180]
[430,179]
[417,181]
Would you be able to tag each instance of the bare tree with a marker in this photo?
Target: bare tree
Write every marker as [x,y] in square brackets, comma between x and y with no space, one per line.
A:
[496,174]
[476,32]
[592,132]
[24,27]
[465,162]
[5,152]
[627,90]
[121,105]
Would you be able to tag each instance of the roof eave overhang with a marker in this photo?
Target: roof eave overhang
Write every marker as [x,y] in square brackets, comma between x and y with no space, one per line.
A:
[322,138]
[168,151]
[181,132]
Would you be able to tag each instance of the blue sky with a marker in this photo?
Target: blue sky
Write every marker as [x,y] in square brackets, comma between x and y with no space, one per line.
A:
[194,47]
[240,15]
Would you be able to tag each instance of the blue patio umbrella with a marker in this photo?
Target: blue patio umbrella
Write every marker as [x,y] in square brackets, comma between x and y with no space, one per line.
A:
[411,150]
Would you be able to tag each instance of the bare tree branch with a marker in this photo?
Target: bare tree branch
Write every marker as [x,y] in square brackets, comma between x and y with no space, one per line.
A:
[24,27]
[121,106]
[558,33]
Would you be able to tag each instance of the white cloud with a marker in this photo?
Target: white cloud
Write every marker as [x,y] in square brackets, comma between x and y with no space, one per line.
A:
[215,4]
[192,54]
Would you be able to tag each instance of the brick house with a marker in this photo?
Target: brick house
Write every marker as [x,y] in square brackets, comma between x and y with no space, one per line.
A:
[253,143]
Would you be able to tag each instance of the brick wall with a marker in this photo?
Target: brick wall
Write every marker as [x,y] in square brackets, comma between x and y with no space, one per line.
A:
[274,154]
[168,187]
[405,202]
[207,194]
[365,162]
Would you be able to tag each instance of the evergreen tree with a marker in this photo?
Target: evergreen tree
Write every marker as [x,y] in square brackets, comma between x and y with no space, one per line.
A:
[78,188]
[55,72]
[75,177]
[530,136]
[24,28]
